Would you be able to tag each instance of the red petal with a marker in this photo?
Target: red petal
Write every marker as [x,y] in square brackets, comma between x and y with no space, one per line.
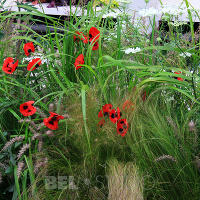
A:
[53,126]
[107,108]
[79,61]
[52,123]
[32,65]
[81,36]
[122,127]
[128,105]
[94,34]
[85,40]
[29,47]
[52,114]
[178,78]
[100,114]
[101,123]
[27,109]
[112,116]
[9,66]
[95,46]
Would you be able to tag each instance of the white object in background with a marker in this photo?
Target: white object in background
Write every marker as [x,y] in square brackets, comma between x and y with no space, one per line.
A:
[9,4]
[132,50]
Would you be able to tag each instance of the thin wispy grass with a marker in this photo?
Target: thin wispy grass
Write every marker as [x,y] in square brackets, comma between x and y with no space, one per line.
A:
[162,144]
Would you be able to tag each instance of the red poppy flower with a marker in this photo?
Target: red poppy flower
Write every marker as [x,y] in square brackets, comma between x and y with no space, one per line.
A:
[9,66]
[81,36]
[94,34]
[28,48]
[101,123]
[128,105]
[27,108]
[100,114]
[95,46]
[34,64]
[84,39]
[178,78]
[115,115]
[106,109]
[122,127]
[52,121]
[79,61]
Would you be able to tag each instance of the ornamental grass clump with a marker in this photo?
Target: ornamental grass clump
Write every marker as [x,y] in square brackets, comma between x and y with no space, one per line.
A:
[163,147]
[124,181]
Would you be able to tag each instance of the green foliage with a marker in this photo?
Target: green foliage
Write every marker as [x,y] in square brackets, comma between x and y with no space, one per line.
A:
[160,140]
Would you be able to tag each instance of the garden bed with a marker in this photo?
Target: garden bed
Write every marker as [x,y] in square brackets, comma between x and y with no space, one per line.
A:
[95,110]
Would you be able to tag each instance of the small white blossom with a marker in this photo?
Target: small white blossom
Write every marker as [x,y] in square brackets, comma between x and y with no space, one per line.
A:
[132,50]
[176,23]
[186,54]
[111,36]
[38,55]
[112,14]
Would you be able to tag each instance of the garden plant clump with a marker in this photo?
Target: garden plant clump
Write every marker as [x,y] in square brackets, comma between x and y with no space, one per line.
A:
[99,108]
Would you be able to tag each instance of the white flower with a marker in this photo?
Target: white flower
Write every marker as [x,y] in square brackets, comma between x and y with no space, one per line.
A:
[111,36]
[176,23]
[38,55]
[112,14]
[185,54]
[148,12]
[132,50]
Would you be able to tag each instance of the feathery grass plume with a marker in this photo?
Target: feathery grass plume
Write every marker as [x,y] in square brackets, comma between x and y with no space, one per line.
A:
[32,130]
[22,150]
[191,126]
[40,164]
[165,157]
[36,136]
[171,122]
[124,181]
[49,133]
[39,126]
[20,167]
[12,141]
[40,144]
[35,126]
[51,107]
